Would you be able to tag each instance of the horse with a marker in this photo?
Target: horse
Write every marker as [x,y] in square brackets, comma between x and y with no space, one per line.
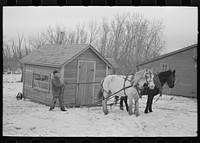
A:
[159,80]
[121,85]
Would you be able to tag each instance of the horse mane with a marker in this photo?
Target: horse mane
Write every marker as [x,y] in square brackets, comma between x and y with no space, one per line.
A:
[136,75]
[141,71]
[165,73]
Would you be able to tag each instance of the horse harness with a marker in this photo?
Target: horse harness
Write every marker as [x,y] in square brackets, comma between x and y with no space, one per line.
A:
[125,79]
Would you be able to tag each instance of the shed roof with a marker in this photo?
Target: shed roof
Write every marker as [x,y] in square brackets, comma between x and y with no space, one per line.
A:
[54,55]
[113,62]
[168,54]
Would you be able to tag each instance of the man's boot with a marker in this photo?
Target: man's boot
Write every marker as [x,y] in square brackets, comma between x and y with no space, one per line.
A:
[63,109]
[51,108]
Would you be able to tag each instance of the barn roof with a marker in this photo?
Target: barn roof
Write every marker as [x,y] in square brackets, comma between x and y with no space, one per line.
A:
[54,55]
[168,54]
[113,62]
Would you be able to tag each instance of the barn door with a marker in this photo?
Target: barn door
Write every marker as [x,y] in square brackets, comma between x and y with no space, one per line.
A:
[86,74]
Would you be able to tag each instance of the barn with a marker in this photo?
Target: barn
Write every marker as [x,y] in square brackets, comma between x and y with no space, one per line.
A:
[184,61]
[80,65]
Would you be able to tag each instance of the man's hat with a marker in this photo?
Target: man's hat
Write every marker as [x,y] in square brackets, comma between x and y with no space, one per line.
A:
[55,71]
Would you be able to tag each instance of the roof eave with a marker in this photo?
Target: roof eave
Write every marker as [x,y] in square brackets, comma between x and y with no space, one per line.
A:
[47,65]
[100,56]
[86,48]
[168,54]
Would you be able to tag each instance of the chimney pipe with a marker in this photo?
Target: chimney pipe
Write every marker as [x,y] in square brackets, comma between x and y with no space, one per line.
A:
[61,37]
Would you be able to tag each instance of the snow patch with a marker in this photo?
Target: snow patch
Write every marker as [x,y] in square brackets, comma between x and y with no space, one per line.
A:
[172,116]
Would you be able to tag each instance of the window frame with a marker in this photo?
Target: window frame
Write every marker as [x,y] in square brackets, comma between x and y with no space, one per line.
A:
[39,88]
[164,67]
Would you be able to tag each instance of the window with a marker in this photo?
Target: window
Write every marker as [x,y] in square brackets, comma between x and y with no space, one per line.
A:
[41,81]
[164,67]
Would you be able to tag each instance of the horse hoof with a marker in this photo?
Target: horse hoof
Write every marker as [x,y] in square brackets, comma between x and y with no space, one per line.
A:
[145,112]
[106,113]
[137,115]
[130,114]
[150,111]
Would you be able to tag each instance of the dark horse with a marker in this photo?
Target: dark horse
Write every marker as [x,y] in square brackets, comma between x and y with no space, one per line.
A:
[159,79]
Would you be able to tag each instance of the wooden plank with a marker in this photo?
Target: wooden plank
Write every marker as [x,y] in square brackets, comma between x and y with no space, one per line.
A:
[38,92]
[45,98]
[47,70]
[28,78]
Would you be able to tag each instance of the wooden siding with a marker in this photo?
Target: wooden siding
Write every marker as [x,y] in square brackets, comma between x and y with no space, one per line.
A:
[70,75]
[184,64]
[35,94]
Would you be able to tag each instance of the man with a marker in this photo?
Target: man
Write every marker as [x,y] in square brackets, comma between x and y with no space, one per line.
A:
[57,89]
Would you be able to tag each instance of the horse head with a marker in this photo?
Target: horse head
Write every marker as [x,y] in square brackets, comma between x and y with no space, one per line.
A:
[171,79]
[146,76]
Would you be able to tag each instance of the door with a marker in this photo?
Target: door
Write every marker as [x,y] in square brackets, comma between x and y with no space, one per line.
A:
[86,75]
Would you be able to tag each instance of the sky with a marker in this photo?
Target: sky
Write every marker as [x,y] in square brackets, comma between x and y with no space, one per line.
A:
[180,23]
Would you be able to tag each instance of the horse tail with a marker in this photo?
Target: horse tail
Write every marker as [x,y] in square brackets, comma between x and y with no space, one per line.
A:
[100,94]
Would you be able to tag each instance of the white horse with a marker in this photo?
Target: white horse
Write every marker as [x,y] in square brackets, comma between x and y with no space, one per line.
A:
[114,83]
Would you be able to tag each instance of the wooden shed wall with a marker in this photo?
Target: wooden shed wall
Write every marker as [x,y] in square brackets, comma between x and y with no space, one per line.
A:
[70,75]
[35,94]
[184,64]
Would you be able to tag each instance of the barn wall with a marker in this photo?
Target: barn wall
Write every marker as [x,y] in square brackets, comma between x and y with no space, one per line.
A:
[70,75]
[184,64]
[35,94]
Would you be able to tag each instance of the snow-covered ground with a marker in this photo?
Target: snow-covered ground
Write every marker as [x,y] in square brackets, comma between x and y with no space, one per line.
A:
[172,116]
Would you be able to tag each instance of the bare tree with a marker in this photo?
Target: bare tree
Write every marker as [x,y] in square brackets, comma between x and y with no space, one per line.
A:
[104,37]
[93,31]
[128,38]
[133,39]
[36,41]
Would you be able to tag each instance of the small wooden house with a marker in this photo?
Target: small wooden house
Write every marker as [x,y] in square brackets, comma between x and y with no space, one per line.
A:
[184,61]
[80,65]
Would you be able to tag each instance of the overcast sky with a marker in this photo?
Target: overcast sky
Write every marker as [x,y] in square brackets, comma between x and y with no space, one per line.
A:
[180,22]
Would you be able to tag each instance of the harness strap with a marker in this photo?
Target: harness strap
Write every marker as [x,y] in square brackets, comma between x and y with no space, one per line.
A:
[138,90]
[103,88]
[124,85]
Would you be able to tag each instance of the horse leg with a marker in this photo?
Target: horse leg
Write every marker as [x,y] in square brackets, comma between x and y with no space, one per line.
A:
[147,104]
[116,99]
[136,110]
[121,103]
[104,103]
[150,103]
[130,109]
[125,101]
